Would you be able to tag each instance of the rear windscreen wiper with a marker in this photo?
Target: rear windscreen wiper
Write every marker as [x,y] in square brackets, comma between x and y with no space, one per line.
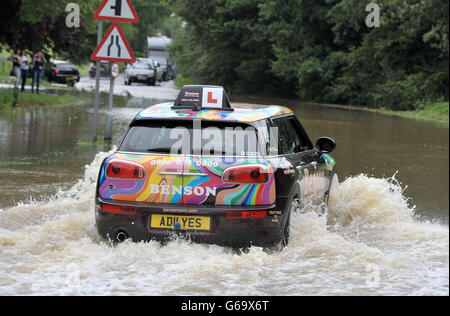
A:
[164,150]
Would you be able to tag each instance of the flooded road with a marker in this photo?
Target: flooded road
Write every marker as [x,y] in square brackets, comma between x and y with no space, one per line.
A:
[381,236]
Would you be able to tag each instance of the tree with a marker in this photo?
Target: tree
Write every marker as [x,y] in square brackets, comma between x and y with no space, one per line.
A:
[322,50]
[41,25]
[222,42]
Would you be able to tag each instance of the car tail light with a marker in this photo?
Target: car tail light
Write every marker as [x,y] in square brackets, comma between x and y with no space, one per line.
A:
[56,70]
[118,169]
[118,209]
[246,214]
[246,174]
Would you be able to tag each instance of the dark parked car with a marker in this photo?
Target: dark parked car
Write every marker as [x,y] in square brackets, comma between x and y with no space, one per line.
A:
[62,72]
[104,70]
[236,191]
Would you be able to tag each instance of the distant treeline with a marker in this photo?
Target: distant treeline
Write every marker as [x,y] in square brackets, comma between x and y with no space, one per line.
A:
[318,50]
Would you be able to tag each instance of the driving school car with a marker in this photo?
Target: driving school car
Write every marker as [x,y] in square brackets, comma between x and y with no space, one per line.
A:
[211,171]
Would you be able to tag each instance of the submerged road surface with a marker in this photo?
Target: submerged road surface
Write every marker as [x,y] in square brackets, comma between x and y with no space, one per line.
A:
[162,91]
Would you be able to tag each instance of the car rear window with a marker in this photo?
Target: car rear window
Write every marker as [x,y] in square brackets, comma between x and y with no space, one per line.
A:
[191,137]
[66,65]
[141,66]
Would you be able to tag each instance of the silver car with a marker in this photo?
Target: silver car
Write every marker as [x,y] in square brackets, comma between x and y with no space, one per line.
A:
[140,72]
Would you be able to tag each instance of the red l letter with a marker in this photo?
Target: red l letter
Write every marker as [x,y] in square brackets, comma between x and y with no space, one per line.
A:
[210,98]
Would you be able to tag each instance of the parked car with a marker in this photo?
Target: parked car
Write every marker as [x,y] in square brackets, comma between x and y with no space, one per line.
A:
[155,65]
[140,72]
[62,72]
[165,66]
[169,177]
[104,70]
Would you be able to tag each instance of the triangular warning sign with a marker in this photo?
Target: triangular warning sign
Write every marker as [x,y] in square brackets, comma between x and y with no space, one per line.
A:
[117,10]
[114,47]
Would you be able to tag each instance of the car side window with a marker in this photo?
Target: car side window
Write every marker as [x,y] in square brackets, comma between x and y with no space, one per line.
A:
[303,137]
[288,140]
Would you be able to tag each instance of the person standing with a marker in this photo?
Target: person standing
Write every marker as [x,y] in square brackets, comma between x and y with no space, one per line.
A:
[25,68]
[16,59]
[38,68]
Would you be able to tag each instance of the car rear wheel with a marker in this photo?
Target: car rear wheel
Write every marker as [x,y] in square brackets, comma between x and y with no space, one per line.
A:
[287,226]
[293,207]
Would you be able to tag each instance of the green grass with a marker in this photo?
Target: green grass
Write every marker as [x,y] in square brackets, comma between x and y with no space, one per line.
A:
[27,99]
[181,81]
[435,111]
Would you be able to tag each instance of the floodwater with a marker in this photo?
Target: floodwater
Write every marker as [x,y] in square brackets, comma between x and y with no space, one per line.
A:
[385,232]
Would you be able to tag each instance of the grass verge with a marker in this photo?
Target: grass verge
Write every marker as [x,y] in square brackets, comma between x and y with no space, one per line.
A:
[181,81]
[435,112]
[27,99]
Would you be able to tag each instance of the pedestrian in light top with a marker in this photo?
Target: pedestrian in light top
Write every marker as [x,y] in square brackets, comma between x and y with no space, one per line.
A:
[25,68]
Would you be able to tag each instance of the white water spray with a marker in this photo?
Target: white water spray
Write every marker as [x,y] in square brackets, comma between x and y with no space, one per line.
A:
[369,243]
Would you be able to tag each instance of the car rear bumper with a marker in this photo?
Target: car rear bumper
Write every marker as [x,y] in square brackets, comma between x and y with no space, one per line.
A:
[142,78]
[234,232]
[66,78]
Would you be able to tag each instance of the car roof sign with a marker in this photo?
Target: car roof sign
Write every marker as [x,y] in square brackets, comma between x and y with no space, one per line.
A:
[198,97]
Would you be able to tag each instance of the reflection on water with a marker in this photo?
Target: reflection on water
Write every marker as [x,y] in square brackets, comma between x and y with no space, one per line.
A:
[381,146]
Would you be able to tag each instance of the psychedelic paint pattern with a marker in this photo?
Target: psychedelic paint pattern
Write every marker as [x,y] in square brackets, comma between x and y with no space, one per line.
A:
[244,113]
[187,180]
[330,162]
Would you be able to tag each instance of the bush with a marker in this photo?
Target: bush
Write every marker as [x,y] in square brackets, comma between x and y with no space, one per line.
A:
[409,93]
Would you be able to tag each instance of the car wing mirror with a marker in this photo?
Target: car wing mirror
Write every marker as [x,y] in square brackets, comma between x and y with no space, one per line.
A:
[325,145]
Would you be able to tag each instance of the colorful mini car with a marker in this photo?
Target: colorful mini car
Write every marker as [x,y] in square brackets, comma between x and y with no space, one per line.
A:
[212,172]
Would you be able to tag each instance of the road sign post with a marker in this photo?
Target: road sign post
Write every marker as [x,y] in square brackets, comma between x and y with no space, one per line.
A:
[109,115]
[97,83]
[113,48]
[115,71]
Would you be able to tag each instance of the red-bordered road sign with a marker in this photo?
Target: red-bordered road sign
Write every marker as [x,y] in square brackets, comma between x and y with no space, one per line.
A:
[117,11]
[115,70]
[114,47]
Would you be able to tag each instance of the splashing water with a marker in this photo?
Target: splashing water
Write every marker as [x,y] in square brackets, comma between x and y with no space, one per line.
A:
[369,243]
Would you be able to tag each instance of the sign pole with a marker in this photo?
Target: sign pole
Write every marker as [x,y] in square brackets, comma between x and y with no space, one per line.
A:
[109,115]
[97,82]
[113,47]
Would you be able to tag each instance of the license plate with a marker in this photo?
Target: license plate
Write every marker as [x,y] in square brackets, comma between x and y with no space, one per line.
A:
[186,222]
[142,78]
[70,78]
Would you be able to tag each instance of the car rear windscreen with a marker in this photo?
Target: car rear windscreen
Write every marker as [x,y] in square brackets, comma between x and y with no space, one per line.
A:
[191,137]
